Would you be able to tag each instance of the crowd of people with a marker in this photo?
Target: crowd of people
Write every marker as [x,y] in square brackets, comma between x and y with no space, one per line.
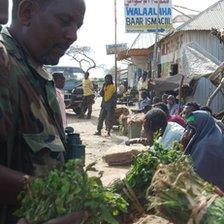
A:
[191,125]
[194,127]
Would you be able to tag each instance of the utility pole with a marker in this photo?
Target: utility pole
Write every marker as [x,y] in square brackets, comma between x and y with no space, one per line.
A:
[115,41]
[155,52]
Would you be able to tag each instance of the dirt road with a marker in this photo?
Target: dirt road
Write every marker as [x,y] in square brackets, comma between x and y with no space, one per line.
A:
[98,146]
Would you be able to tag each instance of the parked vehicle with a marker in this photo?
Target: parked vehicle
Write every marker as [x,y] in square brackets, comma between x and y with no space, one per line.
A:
[73,86]
[73,95]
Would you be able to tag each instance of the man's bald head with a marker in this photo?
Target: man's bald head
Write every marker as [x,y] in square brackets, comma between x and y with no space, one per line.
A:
[46,28]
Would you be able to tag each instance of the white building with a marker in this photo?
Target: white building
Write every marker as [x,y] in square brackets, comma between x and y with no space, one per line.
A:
[196,30]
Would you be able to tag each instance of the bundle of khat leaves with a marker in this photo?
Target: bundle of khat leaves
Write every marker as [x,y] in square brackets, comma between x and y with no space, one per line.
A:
[134,186]
[144,166]
[181,196]
[70,190]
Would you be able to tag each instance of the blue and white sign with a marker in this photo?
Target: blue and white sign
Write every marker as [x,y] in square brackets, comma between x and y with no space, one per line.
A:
[116,48]
[148,15]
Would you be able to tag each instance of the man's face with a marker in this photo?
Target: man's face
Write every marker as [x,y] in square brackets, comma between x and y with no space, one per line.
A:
[53,28]
[60,82]
[107,80]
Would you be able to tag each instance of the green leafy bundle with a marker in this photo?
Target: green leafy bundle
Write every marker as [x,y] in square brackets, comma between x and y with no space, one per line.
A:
[181,196]
[145,164]
[70,190]
[143,168]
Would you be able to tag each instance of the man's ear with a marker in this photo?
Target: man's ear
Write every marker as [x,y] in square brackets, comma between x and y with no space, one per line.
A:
[26,9]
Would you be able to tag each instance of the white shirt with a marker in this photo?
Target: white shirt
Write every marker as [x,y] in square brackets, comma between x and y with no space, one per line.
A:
[173,132]
[142,84]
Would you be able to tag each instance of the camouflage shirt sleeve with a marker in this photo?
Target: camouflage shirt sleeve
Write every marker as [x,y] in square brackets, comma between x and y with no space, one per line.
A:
[26,93]
[6,96]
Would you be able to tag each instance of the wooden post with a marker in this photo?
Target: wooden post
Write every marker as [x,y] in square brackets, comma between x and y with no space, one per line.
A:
[212,96]
[155,51]
[180,90]
[115,41]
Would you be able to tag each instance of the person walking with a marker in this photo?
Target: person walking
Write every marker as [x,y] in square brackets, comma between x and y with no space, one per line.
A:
[109,101]
[88,93]
[30,119]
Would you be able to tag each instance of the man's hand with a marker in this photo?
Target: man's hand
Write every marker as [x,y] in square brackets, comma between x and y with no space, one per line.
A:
[12,183]
[142,141]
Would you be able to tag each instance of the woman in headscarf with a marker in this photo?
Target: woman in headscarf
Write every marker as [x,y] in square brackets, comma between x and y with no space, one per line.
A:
[204,142]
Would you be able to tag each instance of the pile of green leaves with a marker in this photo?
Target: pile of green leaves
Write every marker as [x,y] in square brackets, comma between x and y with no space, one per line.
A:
[180,195]
[144,166]
[70,190]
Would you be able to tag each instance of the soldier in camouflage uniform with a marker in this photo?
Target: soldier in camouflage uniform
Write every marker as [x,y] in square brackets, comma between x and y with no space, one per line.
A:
[30,119]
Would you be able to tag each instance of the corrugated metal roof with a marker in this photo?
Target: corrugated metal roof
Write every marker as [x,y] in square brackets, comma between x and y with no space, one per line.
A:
[212,17]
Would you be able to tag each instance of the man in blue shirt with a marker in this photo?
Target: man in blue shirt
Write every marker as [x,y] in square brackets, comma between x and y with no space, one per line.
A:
[143,104]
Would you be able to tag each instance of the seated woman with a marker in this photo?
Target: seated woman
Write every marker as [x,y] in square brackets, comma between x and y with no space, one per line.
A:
[156,122]
[204,142]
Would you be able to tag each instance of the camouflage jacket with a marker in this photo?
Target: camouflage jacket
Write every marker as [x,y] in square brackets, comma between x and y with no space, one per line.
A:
[27,94]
